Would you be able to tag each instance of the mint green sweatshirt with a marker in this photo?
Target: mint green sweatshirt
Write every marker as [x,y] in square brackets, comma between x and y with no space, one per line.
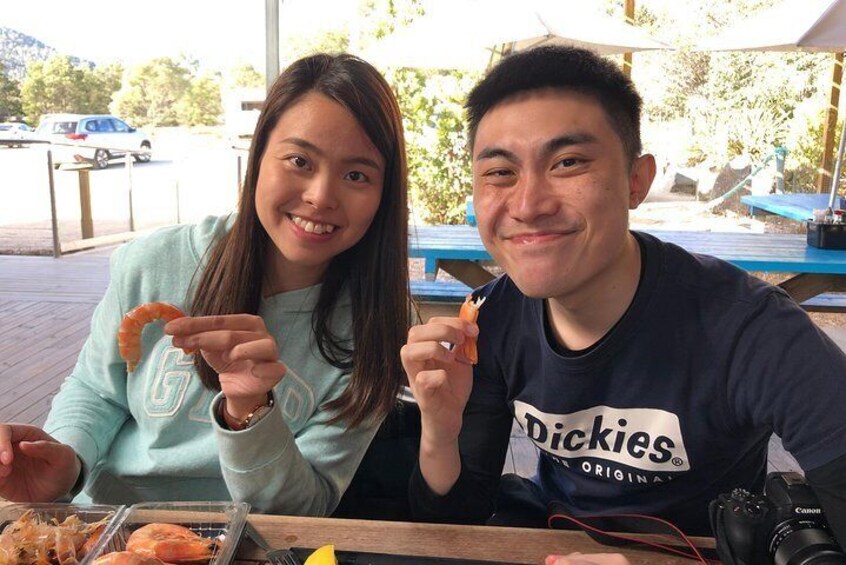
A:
[151,435]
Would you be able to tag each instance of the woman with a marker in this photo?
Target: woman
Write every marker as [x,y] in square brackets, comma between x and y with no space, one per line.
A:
[299,307]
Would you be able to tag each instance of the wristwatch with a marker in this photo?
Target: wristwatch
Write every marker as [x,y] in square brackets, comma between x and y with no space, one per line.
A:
[250,419]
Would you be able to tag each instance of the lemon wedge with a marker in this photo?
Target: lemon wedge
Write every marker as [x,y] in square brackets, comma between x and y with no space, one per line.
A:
[322,556]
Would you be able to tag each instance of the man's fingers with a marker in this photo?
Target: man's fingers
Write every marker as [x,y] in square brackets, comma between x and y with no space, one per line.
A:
[452,331]
[414,356]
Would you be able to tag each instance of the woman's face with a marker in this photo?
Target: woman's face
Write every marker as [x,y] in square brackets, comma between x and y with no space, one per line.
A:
[319,187]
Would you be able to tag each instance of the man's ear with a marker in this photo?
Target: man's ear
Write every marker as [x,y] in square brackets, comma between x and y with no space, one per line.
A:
[640,179]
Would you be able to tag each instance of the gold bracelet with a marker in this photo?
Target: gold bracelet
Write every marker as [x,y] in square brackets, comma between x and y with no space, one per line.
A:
[254,416]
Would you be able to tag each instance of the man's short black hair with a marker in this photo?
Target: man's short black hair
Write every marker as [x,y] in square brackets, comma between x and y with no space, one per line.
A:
[561,67]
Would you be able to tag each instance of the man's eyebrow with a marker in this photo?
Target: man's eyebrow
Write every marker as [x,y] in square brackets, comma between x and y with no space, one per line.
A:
[549,147]
[493,152]
[298,141]
[566,140]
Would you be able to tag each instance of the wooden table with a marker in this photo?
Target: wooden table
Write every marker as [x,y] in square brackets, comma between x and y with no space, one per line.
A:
[458,251]
[798,206]
[515,545]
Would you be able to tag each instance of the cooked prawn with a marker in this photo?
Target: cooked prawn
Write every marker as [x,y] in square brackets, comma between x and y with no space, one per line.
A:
[129,334]
[470,312]
[126,558]
[171,543]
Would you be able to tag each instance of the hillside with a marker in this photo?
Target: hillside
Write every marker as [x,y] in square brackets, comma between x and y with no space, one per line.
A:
[18,49]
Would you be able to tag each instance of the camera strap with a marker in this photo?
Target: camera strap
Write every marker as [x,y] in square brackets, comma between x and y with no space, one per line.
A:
[605,530]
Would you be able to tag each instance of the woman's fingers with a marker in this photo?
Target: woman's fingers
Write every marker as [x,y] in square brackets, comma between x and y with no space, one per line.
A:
[271,371]
[218,340]
[199,324]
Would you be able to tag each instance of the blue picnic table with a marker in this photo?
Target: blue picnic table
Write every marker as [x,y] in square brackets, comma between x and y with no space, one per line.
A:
[798,206]
[458,250]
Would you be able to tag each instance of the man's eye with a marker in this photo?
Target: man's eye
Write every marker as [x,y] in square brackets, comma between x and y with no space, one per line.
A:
[498,173]
[357,176]
[298,161]
[569,162]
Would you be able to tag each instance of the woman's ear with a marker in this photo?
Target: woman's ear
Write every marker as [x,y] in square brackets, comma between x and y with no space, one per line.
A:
[640,179]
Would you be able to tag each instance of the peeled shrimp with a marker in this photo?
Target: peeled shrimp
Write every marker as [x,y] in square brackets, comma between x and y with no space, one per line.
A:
[129,334]
[31,541]
[171,543]
[470,312]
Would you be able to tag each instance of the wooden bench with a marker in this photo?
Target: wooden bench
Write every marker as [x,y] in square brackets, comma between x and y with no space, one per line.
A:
[831,302]
[439,291]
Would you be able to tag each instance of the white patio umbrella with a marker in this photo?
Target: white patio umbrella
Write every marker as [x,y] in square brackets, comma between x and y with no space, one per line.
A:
[466,34]
[793,25]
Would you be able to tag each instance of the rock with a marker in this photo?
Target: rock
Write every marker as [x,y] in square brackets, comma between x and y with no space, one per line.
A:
[675,182]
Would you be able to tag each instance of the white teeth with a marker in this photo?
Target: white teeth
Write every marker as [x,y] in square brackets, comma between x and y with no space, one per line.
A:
[312,227]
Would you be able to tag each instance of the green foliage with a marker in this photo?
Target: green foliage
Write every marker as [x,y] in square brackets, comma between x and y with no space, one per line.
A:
[439,164]
[166,92]
[10,97]
[201,105]
[805,154]
[246,76]
[152,92]
[58,86]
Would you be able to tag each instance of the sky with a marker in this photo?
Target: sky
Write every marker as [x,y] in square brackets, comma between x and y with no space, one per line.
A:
[219,33]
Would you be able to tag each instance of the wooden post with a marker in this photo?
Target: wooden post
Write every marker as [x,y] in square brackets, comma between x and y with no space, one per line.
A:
[824,175]
[85,217]
[128,161]
[627,57]
[57,245]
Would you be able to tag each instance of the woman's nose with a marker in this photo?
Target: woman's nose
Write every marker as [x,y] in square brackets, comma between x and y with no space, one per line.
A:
[320,193]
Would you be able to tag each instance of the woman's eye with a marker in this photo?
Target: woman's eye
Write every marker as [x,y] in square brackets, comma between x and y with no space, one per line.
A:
[357,176]
[298,161]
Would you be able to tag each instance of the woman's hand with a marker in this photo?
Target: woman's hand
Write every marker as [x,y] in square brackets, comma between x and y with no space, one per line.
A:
[34,467]
[240,349]
[586,559]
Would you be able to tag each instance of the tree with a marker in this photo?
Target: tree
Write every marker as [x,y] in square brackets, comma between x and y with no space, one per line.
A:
[58,86]
[152,93]
[246,76]
[10,96]
[201,106]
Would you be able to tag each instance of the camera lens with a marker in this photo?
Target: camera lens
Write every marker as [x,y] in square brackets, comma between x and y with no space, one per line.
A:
[808,546]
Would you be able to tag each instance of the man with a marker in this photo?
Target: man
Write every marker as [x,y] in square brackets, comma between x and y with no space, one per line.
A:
[649,378]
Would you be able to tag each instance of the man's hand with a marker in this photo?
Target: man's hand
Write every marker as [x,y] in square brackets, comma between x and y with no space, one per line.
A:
[34,467]
[441,381]
[586,559]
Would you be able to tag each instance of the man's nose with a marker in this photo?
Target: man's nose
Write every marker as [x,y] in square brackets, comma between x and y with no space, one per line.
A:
[532,197]
[320,192]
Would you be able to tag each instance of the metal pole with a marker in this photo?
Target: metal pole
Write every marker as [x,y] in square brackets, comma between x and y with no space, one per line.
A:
[128,161]
[835,179]
[57,246]
[271,45]
[780,154]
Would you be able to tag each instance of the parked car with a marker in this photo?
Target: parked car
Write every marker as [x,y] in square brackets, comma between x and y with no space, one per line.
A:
[92,139]
[10,132]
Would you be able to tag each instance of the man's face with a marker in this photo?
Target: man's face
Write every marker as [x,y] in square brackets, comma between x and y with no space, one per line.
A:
[552,188]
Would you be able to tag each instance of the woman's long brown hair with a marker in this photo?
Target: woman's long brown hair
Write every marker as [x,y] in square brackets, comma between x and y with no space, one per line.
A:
[374,271]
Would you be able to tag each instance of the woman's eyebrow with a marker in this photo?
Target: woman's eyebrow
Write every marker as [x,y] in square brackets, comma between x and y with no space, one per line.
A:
[357,160]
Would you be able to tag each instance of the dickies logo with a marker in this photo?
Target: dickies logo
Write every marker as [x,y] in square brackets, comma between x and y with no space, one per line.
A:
[609,442]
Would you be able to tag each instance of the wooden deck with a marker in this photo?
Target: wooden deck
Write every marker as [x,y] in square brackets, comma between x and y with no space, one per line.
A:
[45,311]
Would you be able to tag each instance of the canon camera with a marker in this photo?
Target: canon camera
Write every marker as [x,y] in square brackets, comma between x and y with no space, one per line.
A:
[785,525]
